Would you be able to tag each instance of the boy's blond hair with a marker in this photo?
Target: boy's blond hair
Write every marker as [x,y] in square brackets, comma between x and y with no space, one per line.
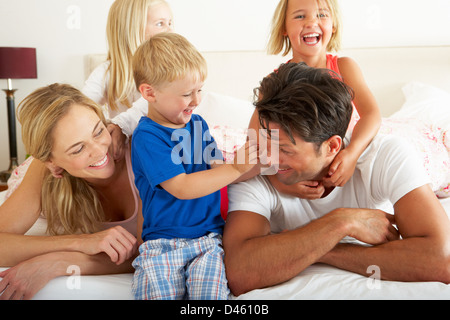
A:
[279,42]
[167,57]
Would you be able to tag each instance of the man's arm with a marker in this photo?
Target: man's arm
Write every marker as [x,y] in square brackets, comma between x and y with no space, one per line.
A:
[422,255]
[255,258]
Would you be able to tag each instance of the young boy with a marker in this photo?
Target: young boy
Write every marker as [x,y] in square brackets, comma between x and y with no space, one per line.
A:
[172,155]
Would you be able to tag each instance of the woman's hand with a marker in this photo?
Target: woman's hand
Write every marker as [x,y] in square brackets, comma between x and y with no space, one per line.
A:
[24,280]
[117,243]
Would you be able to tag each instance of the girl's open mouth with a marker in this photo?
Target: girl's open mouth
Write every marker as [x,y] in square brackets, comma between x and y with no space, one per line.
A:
[312,38]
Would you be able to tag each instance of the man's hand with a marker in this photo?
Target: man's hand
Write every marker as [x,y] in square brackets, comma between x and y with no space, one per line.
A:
[369,225]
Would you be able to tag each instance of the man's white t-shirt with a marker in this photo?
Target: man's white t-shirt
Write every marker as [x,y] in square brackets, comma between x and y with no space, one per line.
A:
[386,171]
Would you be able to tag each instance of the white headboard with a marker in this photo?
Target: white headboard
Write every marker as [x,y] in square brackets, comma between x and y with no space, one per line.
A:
[386,70]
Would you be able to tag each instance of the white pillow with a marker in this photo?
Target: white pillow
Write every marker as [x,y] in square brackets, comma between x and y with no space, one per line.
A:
[222,110]
[425,102]
[424,120]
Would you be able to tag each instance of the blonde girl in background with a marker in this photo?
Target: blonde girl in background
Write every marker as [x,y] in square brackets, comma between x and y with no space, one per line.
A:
[111,84]
[130,23]
[310,29]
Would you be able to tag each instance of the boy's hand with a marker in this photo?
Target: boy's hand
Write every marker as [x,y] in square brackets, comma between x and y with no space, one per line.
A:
[246,157]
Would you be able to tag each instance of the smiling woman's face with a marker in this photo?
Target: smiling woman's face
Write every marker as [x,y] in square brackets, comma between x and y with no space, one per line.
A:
[81,145]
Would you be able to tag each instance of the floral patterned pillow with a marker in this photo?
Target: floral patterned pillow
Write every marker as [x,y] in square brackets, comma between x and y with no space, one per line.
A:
[432,144]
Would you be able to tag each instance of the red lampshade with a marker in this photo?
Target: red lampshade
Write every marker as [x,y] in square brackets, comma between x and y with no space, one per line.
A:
[18,63]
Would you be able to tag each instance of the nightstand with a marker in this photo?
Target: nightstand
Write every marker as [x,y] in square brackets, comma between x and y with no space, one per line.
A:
[3,186]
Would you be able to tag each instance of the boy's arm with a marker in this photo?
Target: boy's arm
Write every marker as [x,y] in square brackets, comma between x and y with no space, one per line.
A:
[199,184]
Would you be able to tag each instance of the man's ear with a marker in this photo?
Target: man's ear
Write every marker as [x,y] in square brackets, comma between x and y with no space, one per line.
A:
[147,92]
[54,169]
[334,145]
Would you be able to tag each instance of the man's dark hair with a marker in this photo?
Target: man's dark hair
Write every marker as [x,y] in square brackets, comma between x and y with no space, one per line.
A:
[312,103]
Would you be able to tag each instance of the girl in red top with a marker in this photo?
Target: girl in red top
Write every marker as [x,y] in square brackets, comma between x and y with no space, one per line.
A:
[310,29]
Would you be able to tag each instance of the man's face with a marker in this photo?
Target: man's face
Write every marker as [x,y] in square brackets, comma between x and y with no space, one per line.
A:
[300,161]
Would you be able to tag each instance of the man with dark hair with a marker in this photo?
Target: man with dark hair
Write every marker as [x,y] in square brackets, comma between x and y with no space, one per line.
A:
[271,236]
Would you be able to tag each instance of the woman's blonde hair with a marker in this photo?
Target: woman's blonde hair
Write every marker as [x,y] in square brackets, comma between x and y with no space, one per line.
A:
[69,204]
[125,32]
[166,57]
[280,43]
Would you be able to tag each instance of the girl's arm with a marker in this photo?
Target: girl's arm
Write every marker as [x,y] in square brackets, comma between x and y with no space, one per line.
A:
[367,127]
[365,103]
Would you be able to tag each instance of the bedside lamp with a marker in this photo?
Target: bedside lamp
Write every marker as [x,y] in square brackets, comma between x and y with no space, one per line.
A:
[15,63]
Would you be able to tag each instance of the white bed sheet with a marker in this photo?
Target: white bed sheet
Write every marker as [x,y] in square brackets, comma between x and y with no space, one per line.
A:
[317,282]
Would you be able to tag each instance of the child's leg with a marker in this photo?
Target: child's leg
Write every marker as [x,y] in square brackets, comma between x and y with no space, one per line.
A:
[205,275]
[159,271]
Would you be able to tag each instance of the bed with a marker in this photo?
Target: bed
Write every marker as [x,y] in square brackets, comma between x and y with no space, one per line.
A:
[412,86]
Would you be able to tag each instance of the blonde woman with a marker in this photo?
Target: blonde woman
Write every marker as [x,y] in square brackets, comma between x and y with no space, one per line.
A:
[91,211]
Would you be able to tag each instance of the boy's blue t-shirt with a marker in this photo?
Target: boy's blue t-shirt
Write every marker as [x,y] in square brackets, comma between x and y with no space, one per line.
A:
[159,154]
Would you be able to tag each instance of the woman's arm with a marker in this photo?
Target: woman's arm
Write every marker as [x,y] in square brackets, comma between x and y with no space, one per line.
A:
[20,211]
[116,242]
[27,278]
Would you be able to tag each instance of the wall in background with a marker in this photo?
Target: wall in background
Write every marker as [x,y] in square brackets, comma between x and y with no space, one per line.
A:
[65,31]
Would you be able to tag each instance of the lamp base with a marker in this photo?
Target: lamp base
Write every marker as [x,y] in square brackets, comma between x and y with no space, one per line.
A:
[4,175]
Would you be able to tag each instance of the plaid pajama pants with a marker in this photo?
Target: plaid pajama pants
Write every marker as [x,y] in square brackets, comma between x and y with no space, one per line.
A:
[181,269]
